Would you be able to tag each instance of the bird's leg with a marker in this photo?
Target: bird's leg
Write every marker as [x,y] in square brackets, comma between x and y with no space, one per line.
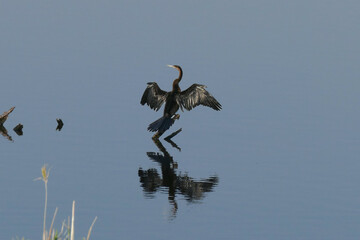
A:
[176,117]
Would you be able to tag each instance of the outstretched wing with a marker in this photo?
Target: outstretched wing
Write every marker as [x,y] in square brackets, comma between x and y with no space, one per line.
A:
[196,95]
[153,96]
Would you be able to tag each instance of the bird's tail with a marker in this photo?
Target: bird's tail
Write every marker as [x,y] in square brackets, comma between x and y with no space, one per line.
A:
[162,124]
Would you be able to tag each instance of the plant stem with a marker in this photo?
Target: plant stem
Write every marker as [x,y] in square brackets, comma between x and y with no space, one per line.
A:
[52,223]
[72,221]
[88,236]
[44,227]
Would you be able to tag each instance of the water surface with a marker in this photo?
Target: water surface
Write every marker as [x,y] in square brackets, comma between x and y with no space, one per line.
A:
[280,161]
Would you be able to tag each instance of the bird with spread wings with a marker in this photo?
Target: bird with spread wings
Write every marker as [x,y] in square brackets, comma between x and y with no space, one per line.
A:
[190,98]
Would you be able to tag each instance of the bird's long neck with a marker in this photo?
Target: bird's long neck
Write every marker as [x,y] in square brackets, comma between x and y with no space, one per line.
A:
[176,87]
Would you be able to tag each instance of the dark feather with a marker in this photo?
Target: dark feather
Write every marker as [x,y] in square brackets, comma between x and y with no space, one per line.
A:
[196,95]
[153,96]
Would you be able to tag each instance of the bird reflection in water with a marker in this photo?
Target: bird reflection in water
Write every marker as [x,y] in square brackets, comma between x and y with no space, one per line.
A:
[3,118]
[175,183]
[4,132]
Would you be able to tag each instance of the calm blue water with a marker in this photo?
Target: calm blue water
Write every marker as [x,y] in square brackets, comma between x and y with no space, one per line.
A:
[280,161]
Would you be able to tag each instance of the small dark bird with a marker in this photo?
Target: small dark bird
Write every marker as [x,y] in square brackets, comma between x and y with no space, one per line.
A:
[19,129]
[194,96]
[60,124]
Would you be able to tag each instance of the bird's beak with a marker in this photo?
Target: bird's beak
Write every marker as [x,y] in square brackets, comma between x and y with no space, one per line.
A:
[172,66]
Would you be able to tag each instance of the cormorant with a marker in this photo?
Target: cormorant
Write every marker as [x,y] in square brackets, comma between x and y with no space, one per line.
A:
[194,96]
